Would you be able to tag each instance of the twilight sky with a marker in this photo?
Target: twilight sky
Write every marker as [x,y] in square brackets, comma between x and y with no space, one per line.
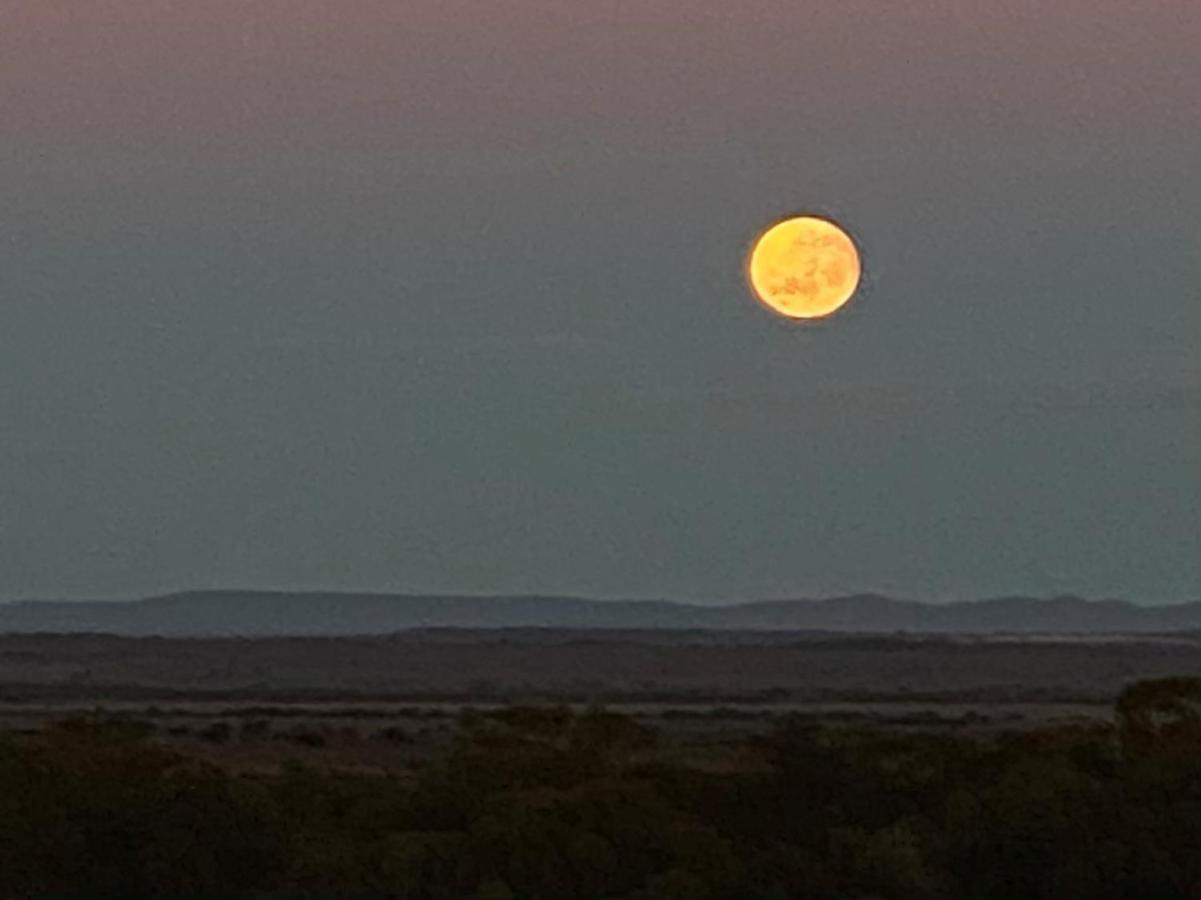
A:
[447,295]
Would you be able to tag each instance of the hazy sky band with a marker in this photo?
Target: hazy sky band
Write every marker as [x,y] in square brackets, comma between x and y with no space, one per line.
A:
[448,296]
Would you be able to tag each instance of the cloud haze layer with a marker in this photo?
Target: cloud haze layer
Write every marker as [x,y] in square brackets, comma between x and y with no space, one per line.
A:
[449,297]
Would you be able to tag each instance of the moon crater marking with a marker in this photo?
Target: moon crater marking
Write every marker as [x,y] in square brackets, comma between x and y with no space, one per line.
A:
[804,267]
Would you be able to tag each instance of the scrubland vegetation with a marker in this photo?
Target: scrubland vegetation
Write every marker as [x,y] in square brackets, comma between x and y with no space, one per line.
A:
[543,802]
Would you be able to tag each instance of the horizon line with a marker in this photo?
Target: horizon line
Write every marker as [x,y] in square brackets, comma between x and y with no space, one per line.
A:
[605,599]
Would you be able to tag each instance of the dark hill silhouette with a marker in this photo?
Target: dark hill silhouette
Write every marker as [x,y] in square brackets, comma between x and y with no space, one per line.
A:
[258,613]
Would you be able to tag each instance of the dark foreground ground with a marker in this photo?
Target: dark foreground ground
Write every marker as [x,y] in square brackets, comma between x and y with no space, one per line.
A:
[549,802]
[630,765]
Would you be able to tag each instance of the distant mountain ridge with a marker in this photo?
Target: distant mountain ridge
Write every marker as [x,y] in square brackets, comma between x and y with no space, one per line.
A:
[265,613]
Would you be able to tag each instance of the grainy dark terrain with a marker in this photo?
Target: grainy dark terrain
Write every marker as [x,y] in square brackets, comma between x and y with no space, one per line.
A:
[538,763]
[352,701]
[523,665]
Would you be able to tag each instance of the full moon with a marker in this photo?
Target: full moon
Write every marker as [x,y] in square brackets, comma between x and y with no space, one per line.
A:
[804,268]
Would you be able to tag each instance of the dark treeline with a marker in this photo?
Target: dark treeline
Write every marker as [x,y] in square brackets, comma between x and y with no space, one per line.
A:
[544,803]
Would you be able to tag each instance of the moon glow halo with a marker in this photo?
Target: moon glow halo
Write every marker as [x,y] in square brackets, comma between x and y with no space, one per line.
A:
[805,267]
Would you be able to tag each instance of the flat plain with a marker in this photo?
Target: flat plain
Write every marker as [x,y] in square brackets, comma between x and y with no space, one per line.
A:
[388,702]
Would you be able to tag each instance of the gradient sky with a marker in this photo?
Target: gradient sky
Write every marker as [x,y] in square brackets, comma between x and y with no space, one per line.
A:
[447,295]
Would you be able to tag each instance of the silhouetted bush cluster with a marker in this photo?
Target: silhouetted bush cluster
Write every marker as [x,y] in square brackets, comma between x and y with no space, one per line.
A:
[544,803]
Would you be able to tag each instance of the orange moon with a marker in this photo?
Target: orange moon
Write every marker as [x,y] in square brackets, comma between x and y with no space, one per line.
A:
[804,268]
